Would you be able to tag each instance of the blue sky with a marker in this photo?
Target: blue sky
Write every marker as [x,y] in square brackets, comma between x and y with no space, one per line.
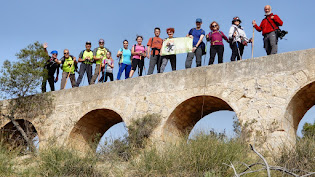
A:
[69,23]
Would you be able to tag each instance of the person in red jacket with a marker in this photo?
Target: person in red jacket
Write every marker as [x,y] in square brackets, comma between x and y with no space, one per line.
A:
[268,27]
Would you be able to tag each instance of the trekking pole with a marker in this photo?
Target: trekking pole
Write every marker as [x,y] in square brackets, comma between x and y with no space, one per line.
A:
[68,76]
[105,72]
[253,42]
[238,49]
[204,58]
[145,73]
[99,72]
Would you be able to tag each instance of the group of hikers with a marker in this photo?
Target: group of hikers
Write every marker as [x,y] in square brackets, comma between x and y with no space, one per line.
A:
[131,59]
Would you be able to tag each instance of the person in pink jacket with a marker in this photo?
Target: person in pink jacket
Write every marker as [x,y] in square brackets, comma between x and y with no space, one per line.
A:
[216,39]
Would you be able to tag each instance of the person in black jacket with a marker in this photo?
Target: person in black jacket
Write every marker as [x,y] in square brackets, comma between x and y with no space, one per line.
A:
[51,66]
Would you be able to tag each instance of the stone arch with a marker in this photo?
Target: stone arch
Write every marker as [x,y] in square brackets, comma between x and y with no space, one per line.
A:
[13,137]
[189,112]
[90,128]
[301,101]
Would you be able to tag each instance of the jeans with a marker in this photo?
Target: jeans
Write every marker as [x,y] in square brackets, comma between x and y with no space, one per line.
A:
[123,67]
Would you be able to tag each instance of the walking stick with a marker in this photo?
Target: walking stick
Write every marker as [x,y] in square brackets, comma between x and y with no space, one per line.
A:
[238,49]
[99,72]
[68,76]
[105,72]
[204,58]
[253,42]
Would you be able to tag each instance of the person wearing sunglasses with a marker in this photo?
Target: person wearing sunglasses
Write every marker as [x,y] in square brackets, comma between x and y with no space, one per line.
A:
[99,54]
[51,66]
[68,67]
[216,40]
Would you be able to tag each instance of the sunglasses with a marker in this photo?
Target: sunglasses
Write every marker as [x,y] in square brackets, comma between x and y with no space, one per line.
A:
[101,42]
[214,26]
[66,53]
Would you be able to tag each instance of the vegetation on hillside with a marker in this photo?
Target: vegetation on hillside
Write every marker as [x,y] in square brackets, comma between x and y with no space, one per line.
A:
[208,154]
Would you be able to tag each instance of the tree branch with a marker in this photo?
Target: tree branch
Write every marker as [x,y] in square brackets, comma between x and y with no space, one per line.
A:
[267,166]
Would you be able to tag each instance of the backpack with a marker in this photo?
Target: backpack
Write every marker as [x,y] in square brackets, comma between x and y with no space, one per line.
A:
[134,47]
[75,64]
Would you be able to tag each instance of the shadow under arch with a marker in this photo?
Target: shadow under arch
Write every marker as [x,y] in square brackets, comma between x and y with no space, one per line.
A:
[188,113]
[88,131]
[299,104]
[11,136]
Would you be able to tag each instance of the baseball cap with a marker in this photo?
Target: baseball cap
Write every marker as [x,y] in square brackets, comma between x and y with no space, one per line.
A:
[101,40]
[54,52]
[88,42]
[199,20]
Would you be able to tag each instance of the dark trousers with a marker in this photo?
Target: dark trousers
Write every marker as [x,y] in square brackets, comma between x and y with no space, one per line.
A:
[154,60]
[165,59]
[190,57]
[110,75]
[84,68]
[137,63]
[271,43]
[237,51]
[50,80]
[216,49]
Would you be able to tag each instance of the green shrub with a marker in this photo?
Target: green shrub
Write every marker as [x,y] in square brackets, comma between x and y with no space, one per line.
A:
[204,155]
[6,162]
[139,132]
[61,161]
[301,157]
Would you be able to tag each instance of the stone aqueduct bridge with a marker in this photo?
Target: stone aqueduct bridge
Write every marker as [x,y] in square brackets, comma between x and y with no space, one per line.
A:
[270,93]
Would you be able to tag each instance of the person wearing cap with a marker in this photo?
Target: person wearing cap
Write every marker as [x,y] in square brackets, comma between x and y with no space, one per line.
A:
[86,59]
[99,54]
[237,39]
[268,26]
[51,66]
[155,44]
[68,66]
[198,45]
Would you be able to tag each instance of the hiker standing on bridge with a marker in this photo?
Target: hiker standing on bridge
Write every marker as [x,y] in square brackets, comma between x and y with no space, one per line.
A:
[51,67]
[155,44]
[86,59]
[237,39]
[268,26]
[198,45]
[107,65]
[68,66]
[99,54]
[125,60]
[172,58]
[217,46]
[139,53]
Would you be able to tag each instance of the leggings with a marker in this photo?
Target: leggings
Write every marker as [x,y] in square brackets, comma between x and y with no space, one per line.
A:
[137,63]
